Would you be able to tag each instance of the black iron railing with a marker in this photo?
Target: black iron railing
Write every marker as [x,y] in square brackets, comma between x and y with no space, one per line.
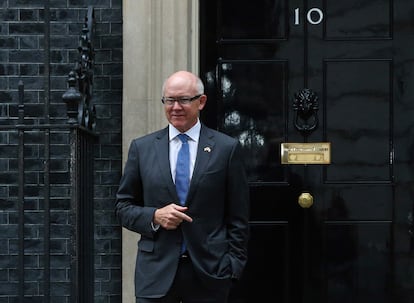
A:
[78,178]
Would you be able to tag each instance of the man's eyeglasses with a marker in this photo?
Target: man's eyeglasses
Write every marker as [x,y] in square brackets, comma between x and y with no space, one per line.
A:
[180,100]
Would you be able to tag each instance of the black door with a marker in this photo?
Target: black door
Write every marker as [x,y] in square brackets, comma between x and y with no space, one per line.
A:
[356,58]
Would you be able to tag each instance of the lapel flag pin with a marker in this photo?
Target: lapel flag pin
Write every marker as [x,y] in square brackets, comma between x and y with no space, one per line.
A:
[207,149]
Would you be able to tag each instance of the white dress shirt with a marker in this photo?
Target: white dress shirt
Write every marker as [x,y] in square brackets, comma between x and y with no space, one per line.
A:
[175,145]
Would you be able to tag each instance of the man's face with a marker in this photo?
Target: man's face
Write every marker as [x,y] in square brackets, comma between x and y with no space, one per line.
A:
[182,116]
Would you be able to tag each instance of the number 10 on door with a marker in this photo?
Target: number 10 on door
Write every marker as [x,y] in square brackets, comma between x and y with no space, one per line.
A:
[314,16]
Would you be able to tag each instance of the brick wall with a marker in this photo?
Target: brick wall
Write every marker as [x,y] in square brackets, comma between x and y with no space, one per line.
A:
[22,57]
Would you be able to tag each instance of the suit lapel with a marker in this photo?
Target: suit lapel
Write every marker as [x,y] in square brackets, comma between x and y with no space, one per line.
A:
[161,148]
[204,151]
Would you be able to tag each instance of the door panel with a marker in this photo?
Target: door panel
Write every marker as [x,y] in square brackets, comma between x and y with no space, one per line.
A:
[357,20]
[236,20]
[271,258]
[247,110]
[355,243]
[357,265]
[357,101]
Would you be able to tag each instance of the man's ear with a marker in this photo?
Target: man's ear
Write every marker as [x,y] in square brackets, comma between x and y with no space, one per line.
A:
[203,101]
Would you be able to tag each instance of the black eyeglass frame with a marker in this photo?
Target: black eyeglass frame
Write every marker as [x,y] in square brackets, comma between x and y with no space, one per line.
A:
[180,100]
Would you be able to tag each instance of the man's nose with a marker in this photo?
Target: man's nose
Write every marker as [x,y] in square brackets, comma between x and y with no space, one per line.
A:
[177,105]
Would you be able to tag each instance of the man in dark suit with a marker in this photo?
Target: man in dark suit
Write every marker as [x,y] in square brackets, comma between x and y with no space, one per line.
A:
[193,244]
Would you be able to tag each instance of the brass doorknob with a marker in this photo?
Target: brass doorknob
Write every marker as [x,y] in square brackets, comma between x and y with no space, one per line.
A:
[305,200]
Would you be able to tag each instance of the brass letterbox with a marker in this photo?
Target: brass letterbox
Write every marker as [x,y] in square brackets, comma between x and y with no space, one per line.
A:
[306,153]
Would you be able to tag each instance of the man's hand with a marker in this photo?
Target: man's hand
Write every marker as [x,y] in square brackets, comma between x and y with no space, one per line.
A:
[171,216]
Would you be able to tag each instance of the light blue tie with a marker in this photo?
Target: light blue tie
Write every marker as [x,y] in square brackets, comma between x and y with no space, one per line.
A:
[182,173]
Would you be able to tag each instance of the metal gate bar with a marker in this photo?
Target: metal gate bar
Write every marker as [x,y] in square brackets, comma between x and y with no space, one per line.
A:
[46,178]
[21,193]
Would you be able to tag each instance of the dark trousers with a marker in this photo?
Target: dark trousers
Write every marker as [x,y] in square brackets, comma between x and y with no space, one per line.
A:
[187,288]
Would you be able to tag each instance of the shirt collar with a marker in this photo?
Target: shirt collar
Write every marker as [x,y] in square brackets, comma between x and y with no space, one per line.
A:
[193,133]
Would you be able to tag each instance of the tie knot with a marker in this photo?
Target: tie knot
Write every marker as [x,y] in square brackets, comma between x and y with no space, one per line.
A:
[183,138]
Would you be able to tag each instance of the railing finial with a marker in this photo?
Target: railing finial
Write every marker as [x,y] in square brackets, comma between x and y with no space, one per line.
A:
[80,92]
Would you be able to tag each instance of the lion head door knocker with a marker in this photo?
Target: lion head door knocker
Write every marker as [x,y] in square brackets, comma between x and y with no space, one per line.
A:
[306,107]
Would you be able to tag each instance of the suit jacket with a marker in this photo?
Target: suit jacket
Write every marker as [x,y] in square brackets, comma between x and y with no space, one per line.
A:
[218,202]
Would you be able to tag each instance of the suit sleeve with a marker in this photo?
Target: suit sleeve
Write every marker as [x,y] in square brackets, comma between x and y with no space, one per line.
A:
[237,211]
[129,206]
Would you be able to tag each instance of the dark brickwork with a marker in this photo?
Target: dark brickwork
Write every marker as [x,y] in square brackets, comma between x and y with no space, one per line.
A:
[22,57]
